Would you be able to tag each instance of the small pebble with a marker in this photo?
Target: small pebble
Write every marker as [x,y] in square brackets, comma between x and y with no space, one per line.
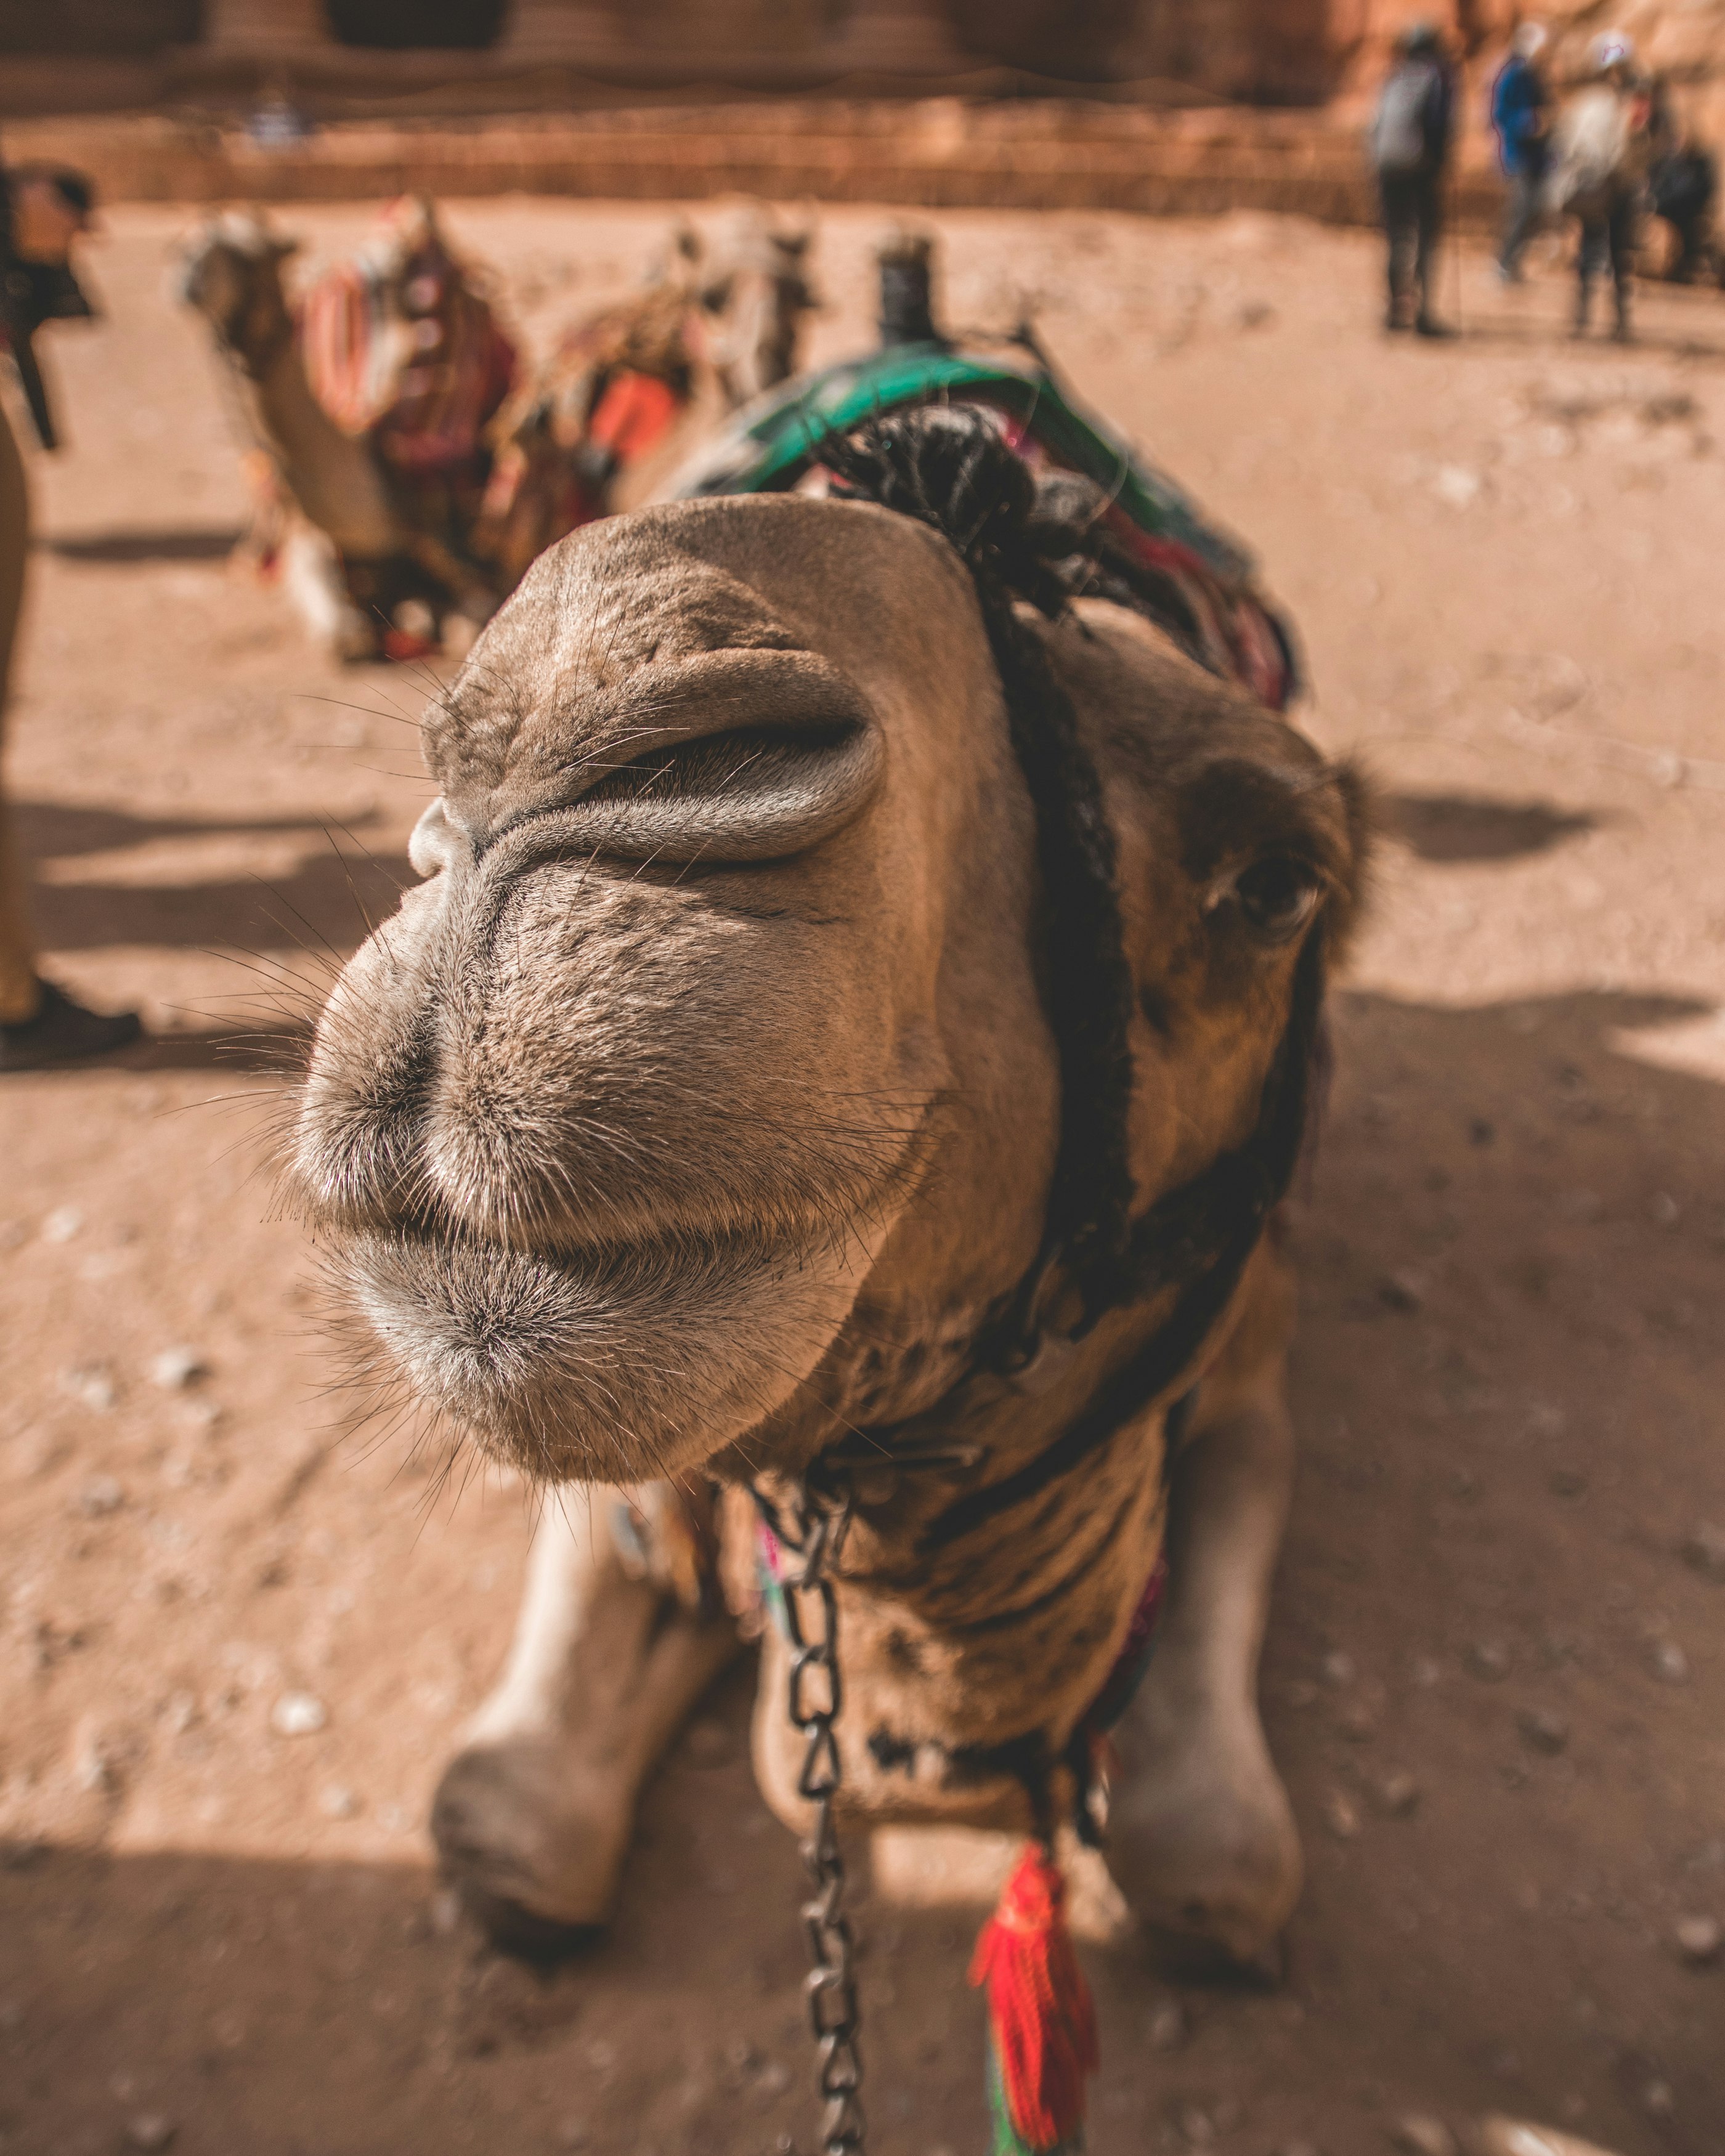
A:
[176,1367]
[1489,1659]
[1699,1939]
[298,1714]
[150,2131]
[1167,2026]
[1415,2133]
[336,1802]
[1704,1548]
[1543,1730]
[62,1225]
[1398,1795]
[1402,1290]
[1341,1816]
[93,1384]
[100,1495]
[1669,1663]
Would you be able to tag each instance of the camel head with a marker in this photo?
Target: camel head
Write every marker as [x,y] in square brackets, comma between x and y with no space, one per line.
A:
[752,287]
[714,1070]
[231,274]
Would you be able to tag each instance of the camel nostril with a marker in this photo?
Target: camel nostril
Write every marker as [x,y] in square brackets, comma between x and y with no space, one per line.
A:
[433,841]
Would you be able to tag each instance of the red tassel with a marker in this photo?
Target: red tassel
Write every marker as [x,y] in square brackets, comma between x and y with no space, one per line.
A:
[1040,2008]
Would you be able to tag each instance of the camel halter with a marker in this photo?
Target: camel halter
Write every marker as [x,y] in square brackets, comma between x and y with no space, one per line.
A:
[949,469]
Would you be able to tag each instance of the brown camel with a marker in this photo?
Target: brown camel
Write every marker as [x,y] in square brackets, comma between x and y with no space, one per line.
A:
[855,1025]
[351,557]
[629,392]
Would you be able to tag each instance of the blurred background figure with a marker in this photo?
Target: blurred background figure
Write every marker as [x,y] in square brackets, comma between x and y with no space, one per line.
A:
[41,213]
[1410,147]
[1601,149]
[1521,117]
[1683,185]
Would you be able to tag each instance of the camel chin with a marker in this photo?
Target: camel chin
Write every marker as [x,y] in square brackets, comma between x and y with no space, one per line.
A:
[643,1362]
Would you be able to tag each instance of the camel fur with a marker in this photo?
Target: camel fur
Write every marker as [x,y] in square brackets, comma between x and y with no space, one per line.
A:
[700,1110]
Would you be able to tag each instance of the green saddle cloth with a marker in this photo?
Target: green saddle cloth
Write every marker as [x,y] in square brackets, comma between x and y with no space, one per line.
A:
[770,445]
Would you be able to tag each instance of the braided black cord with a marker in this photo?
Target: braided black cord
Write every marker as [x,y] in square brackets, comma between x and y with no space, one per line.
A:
[948,467]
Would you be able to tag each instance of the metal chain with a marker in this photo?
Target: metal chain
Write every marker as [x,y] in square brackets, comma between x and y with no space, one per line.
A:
[821,1511]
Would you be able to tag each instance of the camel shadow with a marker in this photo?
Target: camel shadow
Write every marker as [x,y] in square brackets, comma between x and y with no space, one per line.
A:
[53,829]
[1506,1386]
[326,907]
[192,544]
[1453,828]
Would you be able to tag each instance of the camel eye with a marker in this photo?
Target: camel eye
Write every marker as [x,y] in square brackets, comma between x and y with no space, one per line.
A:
[1278,895]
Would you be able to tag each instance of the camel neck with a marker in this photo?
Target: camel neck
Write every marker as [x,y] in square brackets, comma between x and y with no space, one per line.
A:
[332,476]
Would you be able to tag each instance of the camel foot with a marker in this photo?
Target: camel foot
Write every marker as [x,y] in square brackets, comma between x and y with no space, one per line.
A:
[534,1848]
[534,1816]
[1206,1852]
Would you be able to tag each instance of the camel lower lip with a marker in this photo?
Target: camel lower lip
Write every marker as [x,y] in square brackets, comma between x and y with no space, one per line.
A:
[606,1367]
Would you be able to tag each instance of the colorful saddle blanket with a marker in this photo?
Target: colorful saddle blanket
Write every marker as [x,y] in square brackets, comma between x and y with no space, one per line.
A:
[773,446]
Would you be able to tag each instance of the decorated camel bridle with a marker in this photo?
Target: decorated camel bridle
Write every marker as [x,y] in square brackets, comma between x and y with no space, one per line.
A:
[952,468]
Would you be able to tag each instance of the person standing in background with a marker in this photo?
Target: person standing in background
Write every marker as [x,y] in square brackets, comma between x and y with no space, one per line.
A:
[39,1023]
[1683,185]
[1601,148]
[1409,145]
[1521,116]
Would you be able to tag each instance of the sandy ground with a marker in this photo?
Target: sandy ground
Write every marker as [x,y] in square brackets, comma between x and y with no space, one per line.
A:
[1495,1681]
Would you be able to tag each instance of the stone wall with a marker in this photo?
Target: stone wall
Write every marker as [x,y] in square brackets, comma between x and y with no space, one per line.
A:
[206,57]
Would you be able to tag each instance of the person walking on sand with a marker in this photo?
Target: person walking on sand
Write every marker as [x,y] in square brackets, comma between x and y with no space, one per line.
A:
[39,1023]
[1521,116]
[1683,185]
[1601,147]
[1409,145]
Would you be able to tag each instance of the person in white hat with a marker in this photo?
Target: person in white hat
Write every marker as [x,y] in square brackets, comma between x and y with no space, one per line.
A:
[1601,147]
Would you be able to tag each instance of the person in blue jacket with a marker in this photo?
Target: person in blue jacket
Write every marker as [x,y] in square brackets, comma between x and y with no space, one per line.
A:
[1520,114]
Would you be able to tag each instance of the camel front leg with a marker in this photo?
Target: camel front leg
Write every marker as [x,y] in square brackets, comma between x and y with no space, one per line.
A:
[1202,1840]
[534,1814]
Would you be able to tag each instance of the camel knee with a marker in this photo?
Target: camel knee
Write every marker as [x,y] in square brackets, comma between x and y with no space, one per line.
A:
[1202,1839]
[534,1816]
